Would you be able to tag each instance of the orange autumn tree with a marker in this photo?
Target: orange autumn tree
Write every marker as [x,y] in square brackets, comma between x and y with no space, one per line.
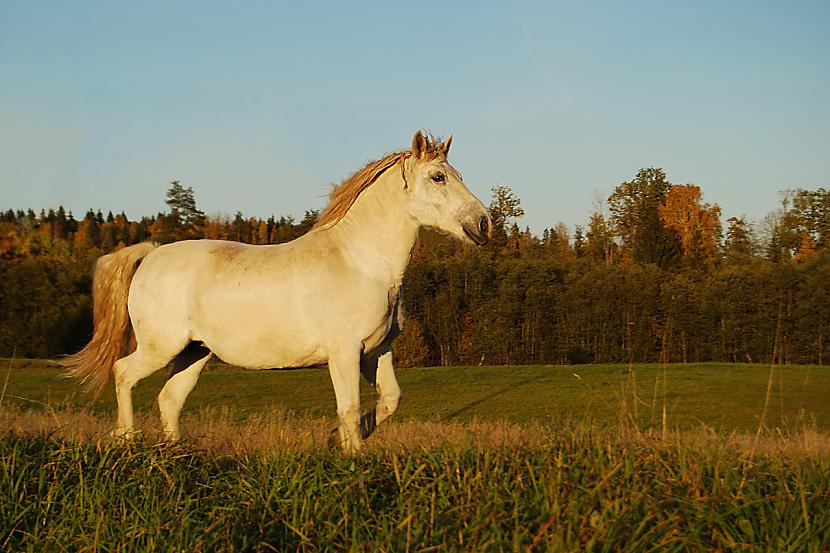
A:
[696,224]
[807,248]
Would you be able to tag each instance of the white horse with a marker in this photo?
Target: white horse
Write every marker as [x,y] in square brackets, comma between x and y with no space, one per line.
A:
[333,295]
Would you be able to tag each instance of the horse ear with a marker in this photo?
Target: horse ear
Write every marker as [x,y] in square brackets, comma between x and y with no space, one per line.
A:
[419,144]
[446,148]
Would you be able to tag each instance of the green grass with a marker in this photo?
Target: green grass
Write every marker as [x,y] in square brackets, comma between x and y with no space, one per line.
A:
[589,465]
[725,397]
[584,491]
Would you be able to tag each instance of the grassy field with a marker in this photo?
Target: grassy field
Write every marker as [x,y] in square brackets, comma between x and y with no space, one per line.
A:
[724,397]
[597,458]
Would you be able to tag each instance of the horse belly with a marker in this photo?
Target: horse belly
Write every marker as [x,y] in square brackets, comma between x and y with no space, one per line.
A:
[260,341]
[265,359]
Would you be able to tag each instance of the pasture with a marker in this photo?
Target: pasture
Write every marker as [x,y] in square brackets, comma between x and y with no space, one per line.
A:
[595,457]
[723,397]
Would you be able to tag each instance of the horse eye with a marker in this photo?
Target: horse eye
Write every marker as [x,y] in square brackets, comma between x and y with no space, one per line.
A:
[439,177]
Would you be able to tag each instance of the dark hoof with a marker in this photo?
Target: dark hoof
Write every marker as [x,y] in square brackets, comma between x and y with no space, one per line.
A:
[334,439]
[368,424]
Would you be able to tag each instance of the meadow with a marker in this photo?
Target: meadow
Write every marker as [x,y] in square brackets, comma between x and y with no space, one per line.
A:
[595,457]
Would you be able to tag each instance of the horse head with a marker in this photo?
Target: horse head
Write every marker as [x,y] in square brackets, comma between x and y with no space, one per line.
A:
[436,195]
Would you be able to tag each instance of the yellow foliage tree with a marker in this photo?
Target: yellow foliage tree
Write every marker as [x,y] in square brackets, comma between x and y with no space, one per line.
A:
[696,224]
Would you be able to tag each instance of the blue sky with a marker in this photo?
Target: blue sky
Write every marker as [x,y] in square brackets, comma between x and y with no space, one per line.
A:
[260,106]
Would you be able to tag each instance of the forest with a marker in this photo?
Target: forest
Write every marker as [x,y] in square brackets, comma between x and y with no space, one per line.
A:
[654,275]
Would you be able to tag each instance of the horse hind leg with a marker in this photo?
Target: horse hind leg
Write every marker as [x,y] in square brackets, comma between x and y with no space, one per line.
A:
[187,366]
[128,371]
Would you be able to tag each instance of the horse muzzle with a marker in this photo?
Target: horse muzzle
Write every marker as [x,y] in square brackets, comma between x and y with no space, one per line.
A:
[479,230]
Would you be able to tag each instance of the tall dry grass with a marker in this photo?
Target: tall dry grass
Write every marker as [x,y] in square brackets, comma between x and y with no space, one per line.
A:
[220,432]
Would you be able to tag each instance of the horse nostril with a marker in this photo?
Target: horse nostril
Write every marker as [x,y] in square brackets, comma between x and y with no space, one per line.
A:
[484,226]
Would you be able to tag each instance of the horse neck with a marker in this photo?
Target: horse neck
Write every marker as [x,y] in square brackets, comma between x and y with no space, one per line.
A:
[377,233]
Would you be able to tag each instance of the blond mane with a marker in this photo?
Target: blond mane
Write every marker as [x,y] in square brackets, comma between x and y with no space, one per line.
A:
[344,195]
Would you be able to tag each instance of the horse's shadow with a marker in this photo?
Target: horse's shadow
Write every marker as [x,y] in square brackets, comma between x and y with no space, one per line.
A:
[490,397]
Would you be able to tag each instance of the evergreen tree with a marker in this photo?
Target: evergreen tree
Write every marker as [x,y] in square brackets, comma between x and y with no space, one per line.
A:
[504,208]
[634,214]
[185,219]
[739,242]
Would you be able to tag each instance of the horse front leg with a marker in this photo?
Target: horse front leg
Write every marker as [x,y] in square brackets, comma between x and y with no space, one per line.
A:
[379,370]
[344,369]
[389,393]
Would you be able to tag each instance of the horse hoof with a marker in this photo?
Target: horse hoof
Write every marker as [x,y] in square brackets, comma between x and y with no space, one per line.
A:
[334,439]
[122,433]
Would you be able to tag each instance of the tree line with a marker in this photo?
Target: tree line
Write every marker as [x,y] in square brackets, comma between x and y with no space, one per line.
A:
[653,276]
